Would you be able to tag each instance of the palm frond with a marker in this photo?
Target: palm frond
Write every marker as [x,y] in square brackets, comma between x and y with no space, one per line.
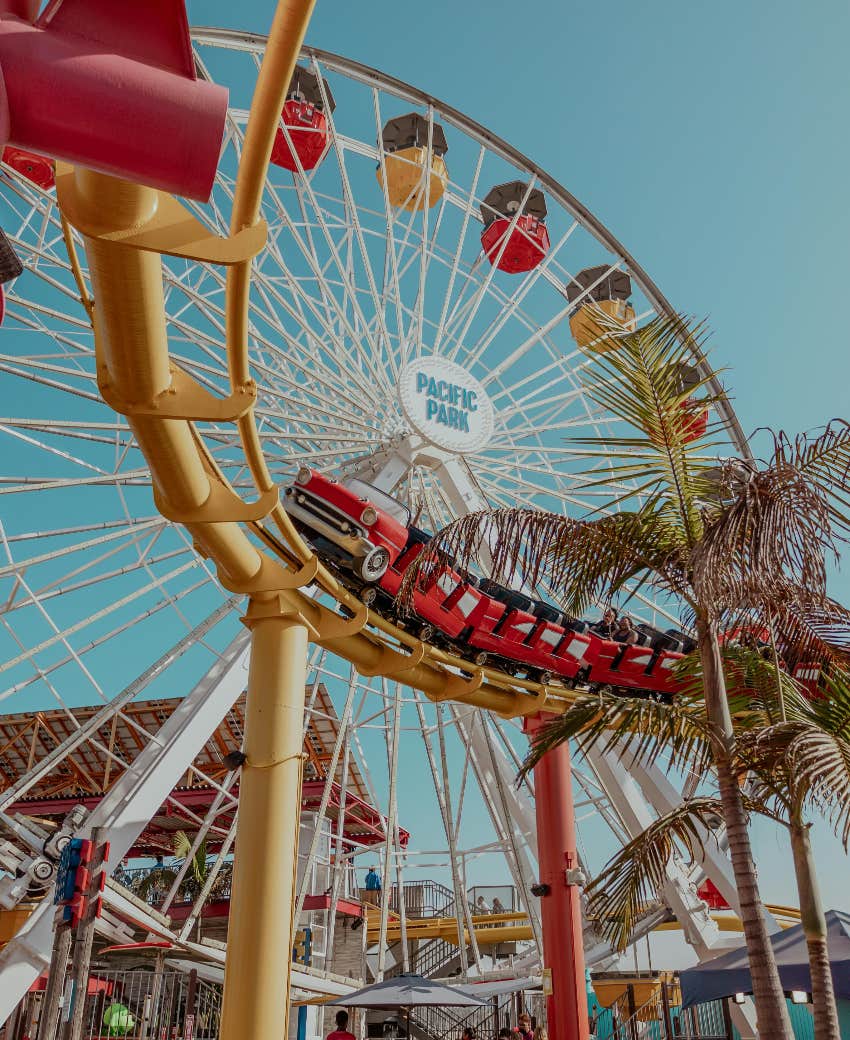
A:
[815,633]
[823,459]
[631,879]
[582,560]
[831,712]
[819,774]
[772,539]
[637,379]
[159,879]
[639,729]
[183,848]
[805,761]
[808,631]
[756,689]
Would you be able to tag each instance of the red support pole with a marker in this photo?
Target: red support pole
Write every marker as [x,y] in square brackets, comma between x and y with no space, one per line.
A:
[563,951]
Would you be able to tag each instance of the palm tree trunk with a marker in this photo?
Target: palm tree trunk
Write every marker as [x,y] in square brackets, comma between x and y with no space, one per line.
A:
[814,926]
[771,1009]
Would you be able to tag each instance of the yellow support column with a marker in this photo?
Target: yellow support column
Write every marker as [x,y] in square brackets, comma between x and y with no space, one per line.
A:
[259,941]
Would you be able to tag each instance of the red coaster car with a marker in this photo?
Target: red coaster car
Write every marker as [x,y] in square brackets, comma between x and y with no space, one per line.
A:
[358,524]
[807,674]
[369,533]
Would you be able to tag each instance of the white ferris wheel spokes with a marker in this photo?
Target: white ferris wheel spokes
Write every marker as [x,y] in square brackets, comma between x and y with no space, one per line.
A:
[425,347]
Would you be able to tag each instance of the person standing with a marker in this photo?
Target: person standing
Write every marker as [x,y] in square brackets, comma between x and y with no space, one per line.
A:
[373,886]
[524,1029]
[341,1031]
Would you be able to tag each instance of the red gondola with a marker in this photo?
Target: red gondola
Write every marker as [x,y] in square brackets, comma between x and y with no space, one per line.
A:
[522,248]
[10,268]
[306,123]
[696,423]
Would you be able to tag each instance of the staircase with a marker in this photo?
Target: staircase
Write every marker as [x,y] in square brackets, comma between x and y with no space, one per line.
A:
[433,958]
[423,899]
[436,957]
[438,1023]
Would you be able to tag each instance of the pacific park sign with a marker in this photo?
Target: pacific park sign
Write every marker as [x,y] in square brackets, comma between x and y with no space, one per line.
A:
[446,405]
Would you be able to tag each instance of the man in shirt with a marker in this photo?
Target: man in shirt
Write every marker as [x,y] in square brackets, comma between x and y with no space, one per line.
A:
[373,886]
[625,631]
[524,1029]
[606,626]
[341,1031]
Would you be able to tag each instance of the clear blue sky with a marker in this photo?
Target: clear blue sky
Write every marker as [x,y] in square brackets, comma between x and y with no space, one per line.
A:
[712,140]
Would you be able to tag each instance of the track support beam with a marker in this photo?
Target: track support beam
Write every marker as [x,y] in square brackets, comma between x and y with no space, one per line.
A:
[563,950]
[259,942]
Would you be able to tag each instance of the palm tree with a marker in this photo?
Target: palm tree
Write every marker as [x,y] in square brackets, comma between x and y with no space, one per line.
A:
[794,755]
[160,879]
[738,540]
[800,761]
[199,866]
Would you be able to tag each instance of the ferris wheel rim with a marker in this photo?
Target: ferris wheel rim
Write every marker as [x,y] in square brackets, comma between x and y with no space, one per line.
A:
[255,43]
[215,36]
[556,191]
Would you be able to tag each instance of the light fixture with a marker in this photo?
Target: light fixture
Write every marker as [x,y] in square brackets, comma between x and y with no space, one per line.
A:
[739,998]
[799,996]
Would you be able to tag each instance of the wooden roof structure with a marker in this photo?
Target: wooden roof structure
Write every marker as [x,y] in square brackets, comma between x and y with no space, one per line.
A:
[87,771]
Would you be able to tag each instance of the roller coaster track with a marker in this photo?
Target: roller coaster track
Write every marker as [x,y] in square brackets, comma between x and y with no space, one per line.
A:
[492,929]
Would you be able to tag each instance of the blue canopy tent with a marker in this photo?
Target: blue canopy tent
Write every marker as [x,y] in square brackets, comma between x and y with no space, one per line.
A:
[729,973]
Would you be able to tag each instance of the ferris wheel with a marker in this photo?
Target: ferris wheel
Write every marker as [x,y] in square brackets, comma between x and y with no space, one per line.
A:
[417,321]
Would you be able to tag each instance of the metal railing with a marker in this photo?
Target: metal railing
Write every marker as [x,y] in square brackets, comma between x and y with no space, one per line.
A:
[662,1018]
[423,899]
[151,884]
[135,1005]
[440,1023]
[498,899]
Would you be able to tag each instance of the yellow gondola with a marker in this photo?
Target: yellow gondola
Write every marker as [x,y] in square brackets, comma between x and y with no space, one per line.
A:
[406,142]
[602,310]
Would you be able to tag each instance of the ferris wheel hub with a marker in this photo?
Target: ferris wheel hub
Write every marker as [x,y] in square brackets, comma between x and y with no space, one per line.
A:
[445,405]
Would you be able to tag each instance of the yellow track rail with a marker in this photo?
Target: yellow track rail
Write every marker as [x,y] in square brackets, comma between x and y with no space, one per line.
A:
[514,927]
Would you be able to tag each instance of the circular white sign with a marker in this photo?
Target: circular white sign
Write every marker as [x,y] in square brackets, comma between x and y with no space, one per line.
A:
[446,405]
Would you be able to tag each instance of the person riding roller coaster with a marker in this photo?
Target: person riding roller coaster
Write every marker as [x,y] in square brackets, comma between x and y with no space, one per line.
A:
[606,626]
[367,538]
